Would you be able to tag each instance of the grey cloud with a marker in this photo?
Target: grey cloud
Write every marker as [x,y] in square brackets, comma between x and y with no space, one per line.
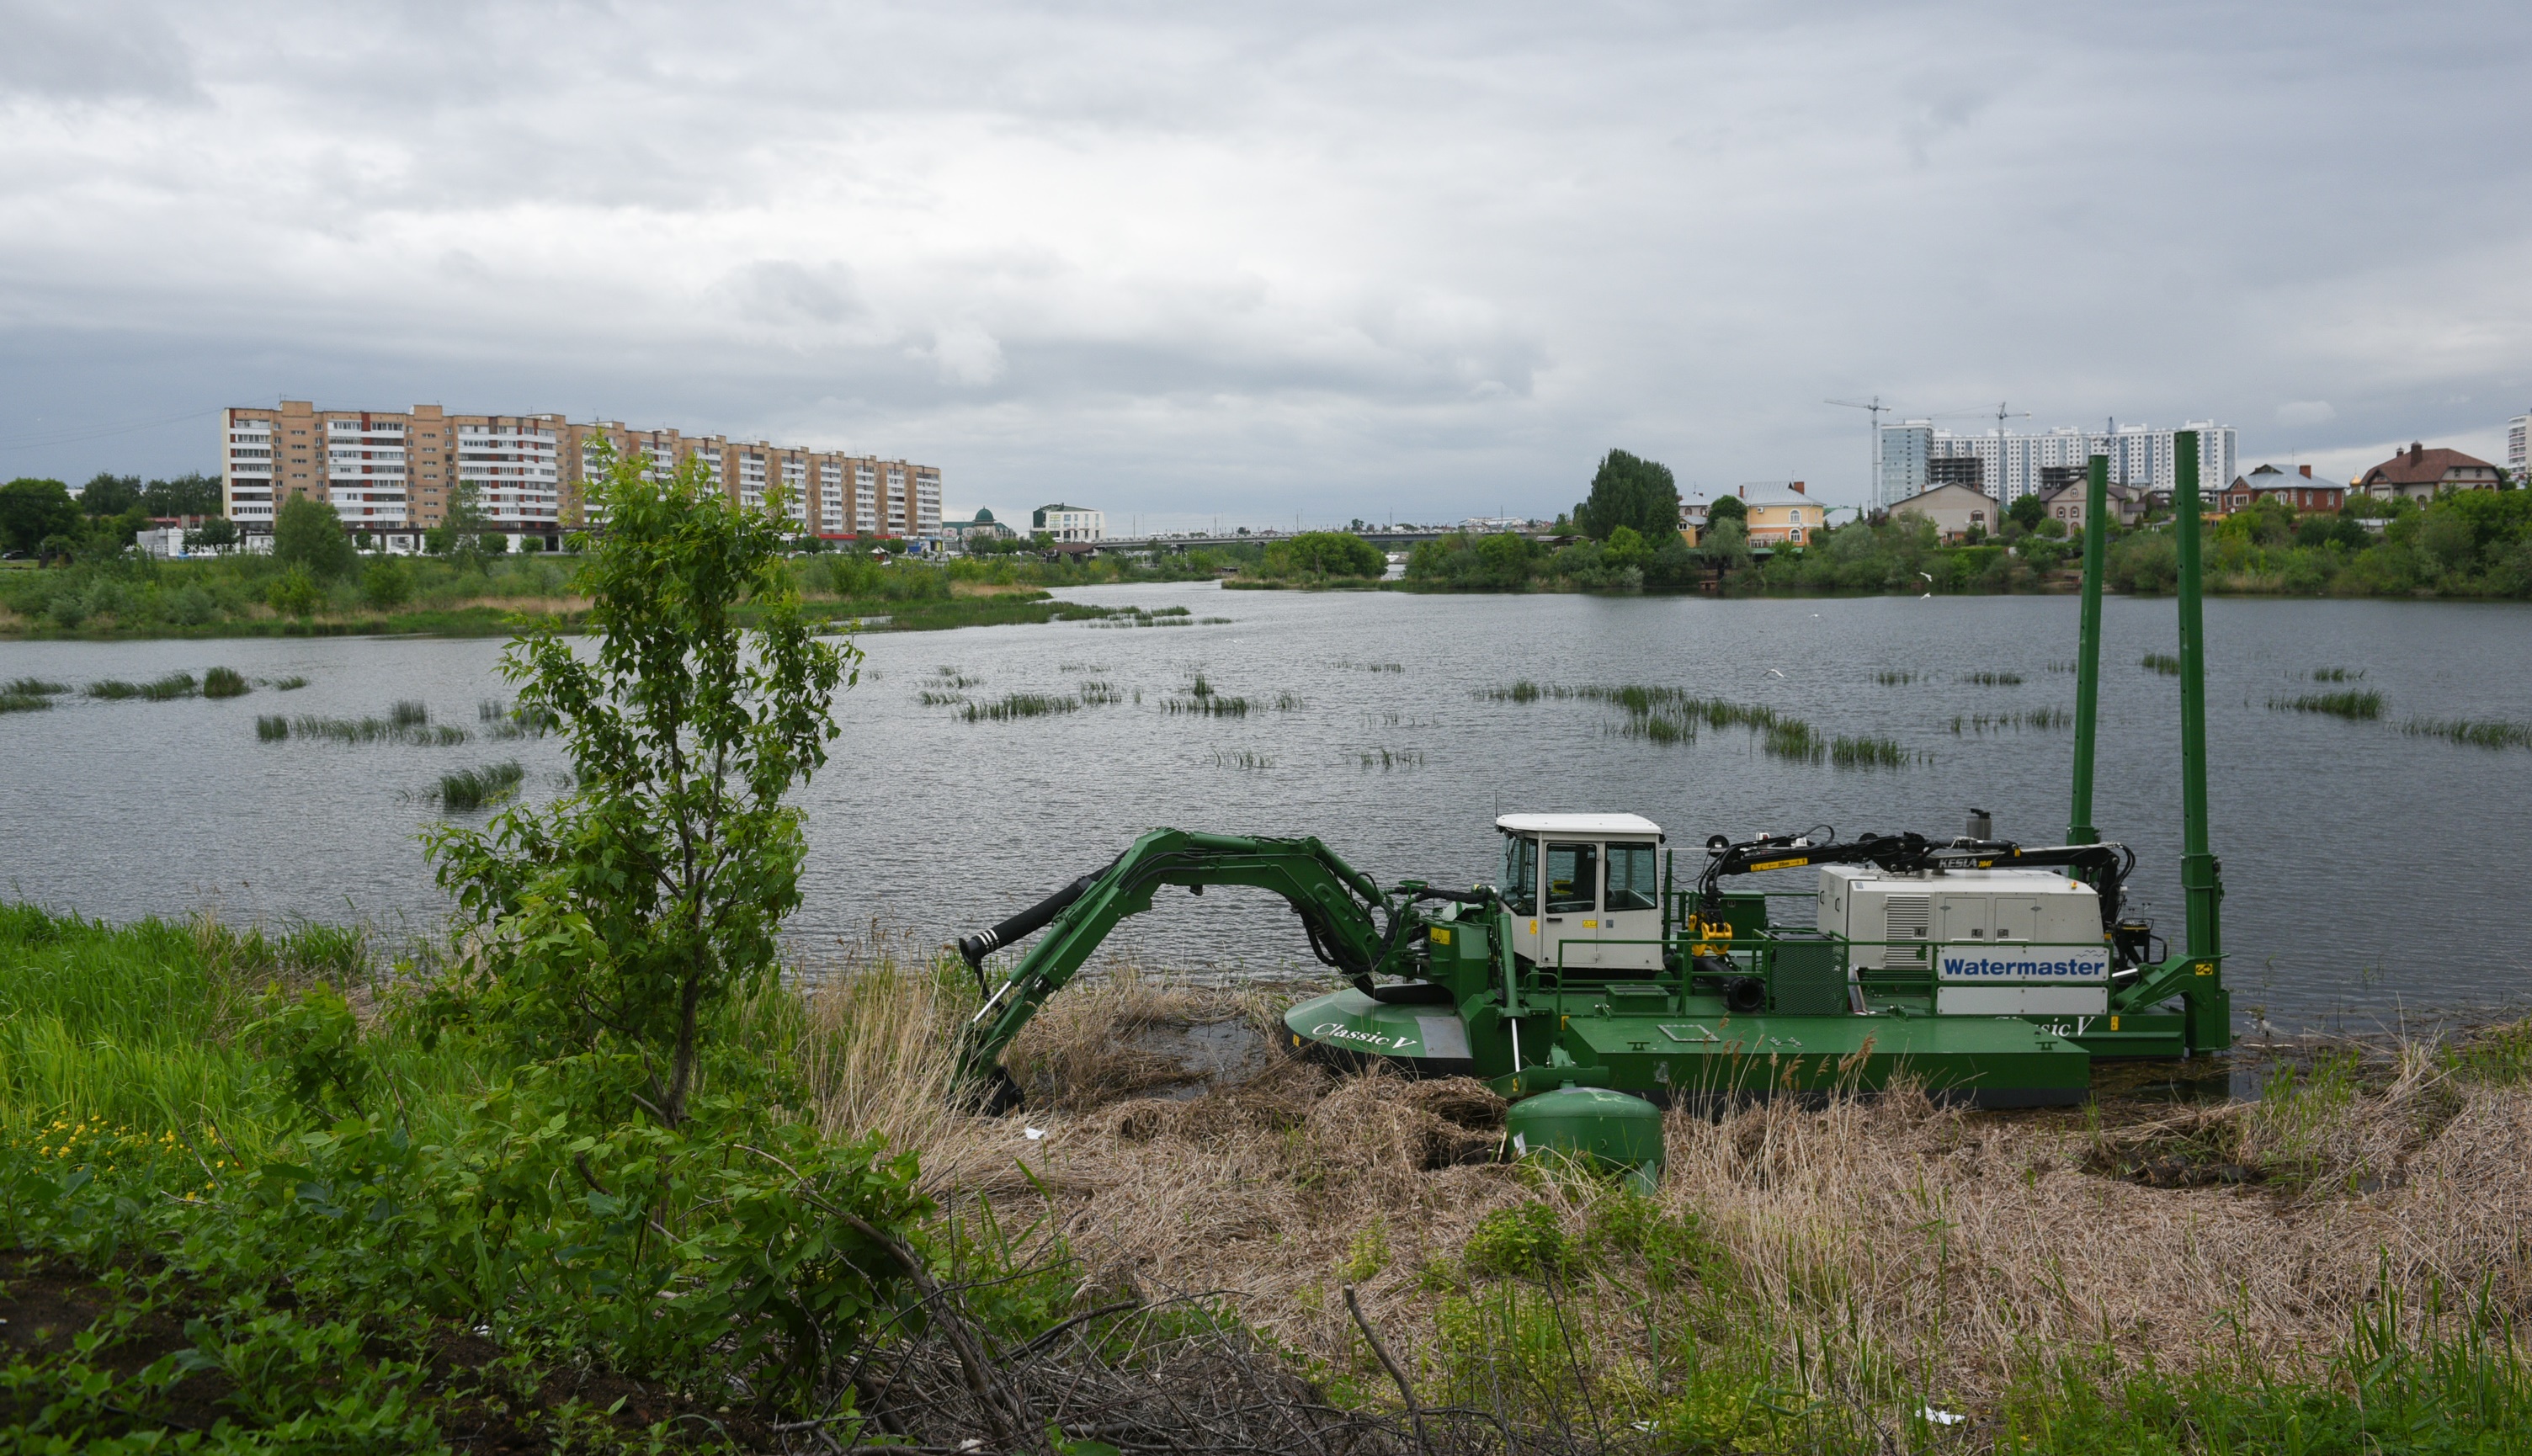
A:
[1290,254]
[785,293]
[90,50]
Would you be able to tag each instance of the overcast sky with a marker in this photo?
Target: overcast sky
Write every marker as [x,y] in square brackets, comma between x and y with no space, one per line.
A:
[1356,259]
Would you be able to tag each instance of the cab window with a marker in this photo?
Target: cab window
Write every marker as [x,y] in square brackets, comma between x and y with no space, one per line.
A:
[1520,883]
[1631,882]
[1573,878]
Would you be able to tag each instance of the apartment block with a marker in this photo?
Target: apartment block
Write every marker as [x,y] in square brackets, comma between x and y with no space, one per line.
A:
[395,474]
[1915,457]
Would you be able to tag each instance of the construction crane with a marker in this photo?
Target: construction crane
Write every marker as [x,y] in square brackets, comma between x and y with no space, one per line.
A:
[1873,411]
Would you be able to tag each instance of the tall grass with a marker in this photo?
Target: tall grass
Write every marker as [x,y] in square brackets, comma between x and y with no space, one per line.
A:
[1019,705]
[160,690]
[2338,674]
[1992,679]
[33,688]
[289,684]
[1201,700]
[139,1024]
[2365,704]
[471,789]
[224,681]
[401,728]
[2162,662]
[2036,717]
[272,727]
[2483,733]
[1098,693]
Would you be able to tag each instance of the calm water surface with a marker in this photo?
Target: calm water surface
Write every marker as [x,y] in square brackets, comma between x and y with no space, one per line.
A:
[2368,874]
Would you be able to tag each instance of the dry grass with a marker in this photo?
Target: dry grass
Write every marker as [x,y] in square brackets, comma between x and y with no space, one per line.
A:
[1952,1247]
[993,588]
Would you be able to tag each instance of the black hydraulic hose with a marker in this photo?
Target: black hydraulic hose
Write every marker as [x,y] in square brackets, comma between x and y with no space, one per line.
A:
[985,942]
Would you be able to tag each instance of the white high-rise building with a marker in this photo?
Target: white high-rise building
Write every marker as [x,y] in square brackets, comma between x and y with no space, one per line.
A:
[2518,448]
[1915,456]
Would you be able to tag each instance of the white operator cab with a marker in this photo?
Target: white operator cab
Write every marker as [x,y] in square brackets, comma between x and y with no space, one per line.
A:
[1585,890]
[2001,942]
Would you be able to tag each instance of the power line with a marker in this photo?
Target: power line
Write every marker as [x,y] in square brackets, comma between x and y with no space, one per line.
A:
[80,434]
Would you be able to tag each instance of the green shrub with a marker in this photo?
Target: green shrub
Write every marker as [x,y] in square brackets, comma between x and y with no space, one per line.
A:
[1524,1241]
[224,681]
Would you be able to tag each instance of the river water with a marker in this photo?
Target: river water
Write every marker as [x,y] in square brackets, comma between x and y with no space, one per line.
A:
[2370,875]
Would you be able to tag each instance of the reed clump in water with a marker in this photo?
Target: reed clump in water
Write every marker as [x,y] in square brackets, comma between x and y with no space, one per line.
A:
[1019,705]
[2354,704]
[1201,700]
[1992,679]
[407,722]
[471,789]
[224,681]
[2162,662]
[173,685]
[29,694]
[2483,732]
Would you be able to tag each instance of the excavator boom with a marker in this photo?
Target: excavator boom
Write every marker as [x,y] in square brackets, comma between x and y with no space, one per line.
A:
[1352,926]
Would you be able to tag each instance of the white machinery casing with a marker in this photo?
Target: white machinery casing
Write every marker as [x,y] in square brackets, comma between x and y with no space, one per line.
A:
[2005,942]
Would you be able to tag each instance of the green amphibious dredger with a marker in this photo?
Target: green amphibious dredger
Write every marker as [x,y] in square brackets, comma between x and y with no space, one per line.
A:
[1598,979]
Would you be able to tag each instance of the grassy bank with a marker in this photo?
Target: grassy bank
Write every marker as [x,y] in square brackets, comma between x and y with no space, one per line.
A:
[255,596]
[251,1199]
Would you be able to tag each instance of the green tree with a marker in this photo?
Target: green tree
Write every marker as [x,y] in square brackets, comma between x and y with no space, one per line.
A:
[2028,511]
[296,592]
[461,531]
[34,510]
[1316,555]
[1629,491]
[194,494]
[307,533]
[109,495]
[386,584]
[219,531]
[617,919]
[1728,508]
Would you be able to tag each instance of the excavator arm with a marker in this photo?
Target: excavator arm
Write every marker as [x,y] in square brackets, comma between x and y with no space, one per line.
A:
[1352,926]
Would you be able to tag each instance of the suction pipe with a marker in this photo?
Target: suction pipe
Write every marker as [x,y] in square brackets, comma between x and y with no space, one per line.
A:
[2210,1008]
[2087,651]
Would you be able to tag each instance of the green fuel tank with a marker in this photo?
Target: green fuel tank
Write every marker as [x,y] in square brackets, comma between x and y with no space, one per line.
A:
[1594,1125]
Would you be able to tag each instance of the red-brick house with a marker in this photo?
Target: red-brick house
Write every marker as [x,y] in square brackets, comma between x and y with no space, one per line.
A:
[2421,474]
[2297,488]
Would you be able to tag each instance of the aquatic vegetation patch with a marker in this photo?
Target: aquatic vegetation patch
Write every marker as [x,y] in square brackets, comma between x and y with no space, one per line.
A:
[1242,758]
[2365,704]
[33,688]
[1019,705]
[407,722]
[1099,693]
[1894,677]
[2162,662]
[1386,760]
[471,789]
[289,684]
[2036,717]
[2483,733]
[2338,674]
[1992,679]
[224,681]
[161,690]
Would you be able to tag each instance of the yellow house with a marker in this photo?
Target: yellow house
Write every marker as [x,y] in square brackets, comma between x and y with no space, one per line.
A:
[1782,515]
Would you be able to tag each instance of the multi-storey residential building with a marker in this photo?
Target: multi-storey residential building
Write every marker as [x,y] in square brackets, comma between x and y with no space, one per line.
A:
[2006,466]
[394,474]
[2518,448]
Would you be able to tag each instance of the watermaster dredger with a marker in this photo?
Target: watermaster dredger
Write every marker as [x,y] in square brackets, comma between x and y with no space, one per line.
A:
[1598,979]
